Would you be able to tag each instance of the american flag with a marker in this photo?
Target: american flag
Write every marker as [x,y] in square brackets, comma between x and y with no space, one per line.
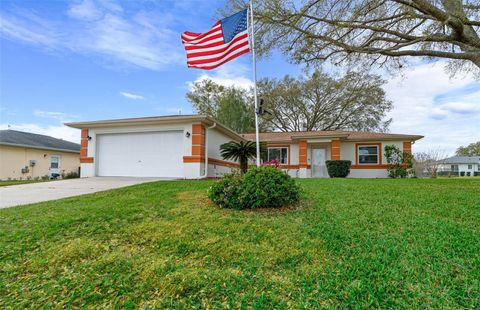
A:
[226,40]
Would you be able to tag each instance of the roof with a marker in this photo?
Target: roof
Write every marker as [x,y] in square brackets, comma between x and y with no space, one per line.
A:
[33,140]
[339,134]
[462,160]
[152,120]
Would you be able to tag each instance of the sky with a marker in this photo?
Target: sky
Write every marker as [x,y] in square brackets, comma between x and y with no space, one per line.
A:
[63,61]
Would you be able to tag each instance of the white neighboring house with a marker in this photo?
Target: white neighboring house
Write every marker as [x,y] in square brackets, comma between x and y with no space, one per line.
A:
[181,146]
[461,166]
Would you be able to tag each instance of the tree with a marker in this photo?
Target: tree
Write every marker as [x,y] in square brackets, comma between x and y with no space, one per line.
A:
[241,151]
[320,102]
[231,106]
[429,161]
[473,149]
[375,31]
[398,162]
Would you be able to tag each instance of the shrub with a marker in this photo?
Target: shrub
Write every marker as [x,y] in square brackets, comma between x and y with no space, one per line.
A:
[399,163]
[263,187]
[338,168]
[70,175]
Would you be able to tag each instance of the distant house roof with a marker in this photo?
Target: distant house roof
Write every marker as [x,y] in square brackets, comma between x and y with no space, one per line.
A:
[344,135]
[33,140]
[462,160]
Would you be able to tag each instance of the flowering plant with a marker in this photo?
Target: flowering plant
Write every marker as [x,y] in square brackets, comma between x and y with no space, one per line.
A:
[271,163]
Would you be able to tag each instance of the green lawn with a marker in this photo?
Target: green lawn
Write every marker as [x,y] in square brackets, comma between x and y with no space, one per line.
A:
[18,182]
[353,243]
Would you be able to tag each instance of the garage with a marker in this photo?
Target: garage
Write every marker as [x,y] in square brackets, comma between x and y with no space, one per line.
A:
[140,154]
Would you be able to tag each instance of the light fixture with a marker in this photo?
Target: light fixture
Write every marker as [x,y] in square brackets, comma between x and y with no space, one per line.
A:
[187,134]
[89,138]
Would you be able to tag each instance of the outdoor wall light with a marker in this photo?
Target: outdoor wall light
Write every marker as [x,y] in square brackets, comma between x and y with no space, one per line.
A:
[187,134]
[89,138]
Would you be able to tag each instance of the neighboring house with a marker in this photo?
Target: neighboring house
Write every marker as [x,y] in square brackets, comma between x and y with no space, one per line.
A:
[25,155]
[182,146]
[461,166]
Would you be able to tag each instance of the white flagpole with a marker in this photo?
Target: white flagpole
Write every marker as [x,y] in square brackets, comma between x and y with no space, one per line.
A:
[252,40]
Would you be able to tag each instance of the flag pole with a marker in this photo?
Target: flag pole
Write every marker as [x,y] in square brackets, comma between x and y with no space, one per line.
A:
[257,140]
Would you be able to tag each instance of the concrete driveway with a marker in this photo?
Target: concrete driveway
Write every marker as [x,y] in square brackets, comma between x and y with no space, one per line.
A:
[22,194]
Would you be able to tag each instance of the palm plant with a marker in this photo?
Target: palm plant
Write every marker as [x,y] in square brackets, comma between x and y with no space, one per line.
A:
[239,151]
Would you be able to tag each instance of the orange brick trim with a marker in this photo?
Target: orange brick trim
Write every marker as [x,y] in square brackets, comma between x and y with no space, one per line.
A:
[407,147]
[86,160]
[369,166]
[335,149]
[302,154]
[84,148]
[211,161]
[198,140]
[293,167]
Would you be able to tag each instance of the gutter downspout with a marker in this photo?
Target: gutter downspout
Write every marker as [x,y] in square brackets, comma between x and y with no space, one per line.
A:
[205,172]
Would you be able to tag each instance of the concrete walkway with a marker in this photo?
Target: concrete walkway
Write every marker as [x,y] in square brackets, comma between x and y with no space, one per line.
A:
[22,194]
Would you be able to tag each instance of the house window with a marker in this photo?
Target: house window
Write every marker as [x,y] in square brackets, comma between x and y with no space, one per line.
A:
[279,154]
[54,162]
[368,154]
[454,167]
[469,167]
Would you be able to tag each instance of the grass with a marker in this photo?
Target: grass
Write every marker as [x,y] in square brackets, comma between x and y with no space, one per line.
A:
[354,243]
[18,182]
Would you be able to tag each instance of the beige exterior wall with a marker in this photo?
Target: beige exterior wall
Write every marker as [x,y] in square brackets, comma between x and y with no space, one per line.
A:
[13,159]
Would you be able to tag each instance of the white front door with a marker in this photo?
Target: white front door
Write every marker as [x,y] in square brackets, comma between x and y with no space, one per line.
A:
[142,154]
[54,168]
[319,169]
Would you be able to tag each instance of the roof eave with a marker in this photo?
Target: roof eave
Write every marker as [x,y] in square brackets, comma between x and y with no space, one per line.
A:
[40,147]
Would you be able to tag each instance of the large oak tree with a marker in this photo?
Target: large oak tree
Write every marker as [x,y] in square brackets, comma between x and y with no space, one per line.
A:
[368,32]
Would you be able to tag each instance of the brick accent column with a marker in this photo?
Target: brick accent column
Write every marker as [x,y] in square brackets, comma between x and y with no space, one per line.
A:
[407,147]
[198,145]
[335,149]
[302,154]
[84,148]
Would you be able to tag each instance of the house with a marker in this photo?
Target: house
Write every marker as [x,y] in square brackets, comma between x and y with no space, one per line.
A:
[25,155]
[182,146]
[461,166]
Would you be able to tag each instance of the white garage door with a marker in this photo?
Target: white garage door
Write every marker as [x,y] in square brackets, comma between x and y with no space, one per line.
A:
[145,154]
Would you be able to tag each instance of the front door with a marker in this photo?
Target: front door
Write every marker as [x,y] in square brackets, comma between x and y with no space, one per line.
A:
[54,169]
[319,169]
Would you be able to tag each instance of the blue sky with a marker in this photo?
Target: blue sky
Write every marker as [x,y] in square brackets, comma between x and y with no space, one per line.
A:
[99,59]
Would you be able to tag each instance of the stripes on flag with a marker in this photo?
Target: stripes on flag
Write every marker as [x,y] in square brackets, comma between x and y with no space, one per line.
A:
[226,40]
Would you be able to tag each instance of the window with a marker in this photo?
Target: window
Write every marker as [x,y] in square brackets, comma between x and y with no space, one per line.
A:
[368,154]
[469,167]
[54,162]
[279,154]
[454,167]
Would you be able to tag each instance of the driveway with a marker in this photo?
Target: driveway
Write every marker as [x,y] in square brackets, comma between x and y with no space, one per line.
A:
[22,194]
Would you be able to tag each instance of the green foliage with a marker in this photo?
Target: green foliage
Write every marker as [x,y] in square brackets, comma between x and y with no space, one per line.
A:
[231,106]
[338,168]
[240,151]
[399,163]
[262,187]
[70,175]
[389,244]
[473,149]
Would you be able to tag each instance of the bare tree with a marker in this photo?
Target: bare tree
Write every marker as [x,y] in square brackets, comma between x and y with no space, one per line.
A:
[355,101]
[373,31]
[429,161]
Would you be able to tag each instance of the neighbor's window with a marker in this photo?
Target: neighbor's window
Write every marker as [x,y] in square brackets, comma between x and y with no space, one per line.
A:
[454,167]
[469,166]
[368,154]
[279,154]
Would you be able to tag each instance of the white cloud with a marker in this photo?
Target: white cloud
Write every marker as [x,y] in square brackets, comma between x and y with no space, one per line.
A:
[62,117]
[428,102]
[131,95]
[230,74]
[59,132]
[143,39]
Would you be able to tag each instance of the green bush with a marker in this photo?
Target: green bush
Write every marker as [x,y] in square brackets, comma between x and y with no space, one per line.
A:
[263,187]
[338,168]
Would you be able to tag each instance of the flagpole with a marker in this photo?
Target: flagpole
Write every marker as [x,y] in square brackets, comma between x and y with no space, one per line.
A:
[257,140]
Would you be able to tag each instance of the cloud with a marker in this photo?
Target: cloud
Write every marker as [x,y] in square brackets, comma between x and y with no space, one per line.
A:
[230,74]
[142,39]
[131,95]
[62,117]
[428,102]
[59,132]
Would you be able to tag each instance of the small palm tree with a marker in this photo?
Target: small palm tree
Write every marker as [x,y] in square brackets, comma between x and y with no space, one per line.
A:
[241,151]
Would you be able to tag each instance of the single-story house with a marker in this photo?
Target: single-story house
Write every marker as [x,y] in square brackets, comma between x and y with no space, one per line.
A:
[182,146]
[25,155]
[461,166]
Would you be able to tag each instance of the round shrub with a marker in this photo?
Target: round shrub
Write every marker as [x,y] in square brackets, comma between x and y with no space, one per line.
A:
[338,168]
[263,187]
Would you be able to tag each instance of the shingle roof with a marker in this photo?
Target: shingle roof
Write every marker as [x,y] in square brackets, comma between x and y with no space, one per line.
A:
[26,139]
[347,135]
[462,160]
